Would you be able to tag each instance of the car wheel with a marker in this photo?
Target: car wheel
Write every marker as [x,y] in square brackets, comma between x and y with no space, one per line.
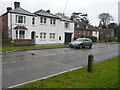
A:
[90,46]
[71,46]
[80,46]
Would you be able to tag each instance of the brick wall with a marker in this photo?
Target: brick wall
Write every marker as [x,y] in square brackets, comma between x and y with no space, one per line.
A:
[5,26]
[20,42]
[0,22]
[77,35]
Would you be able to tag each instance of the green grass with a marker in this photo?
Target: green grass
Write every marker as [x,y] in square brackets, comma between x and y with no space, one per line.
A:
[6,49]
[104,75]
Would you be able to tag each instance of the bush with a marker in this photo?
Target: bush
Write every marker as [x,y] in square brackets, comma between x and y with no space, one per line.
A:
[93,38]
[110,39]
[82,36]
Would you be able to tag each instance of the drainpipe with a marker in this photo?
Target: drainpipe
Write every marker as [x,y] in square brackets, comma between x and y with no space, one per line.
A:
[11,25]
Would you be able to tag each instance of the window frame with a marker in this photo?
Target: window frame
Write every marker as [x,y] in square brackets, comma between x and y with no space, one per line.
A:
[52,36]
[67,25]
[43,35]
[19,19]
[52,21]
[20,34]
[33,20]
[43,20]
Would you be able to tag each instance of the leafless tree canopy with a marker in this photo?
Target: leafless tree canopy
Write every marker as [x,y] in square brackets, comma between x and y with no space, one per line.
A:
[105,18]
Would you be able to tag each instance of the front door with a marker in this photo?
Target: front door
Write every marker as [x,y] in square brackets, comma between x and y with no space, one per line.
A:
[68,38]
[33,35]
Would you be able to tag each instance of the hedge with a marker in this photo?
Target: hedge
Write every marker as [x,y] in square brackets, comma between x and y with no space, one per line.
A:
[93,38]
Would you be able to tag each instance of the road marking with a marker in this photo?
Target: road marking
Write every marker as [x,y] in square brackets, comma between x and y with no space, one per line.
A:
[44,77]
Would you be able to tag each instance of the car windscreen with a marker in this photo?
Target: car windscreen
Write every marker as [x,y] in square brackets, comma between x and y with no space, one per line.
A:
[79,39]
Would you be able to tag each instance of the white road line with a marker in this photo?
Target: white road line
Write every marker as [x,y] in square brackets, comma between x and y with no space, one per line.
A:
[44,77]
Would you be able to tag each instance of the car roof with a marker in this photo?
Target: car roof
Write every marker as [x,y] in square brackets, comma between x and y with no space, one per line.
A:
[83,38]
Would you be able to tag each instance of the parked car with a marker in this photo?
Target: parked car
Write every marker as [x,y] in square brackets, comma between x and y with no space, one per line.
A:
[81,42]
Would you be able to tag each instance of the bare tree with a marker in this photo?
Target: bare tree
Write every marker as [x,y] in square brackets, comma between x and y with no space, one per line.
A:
[105,19]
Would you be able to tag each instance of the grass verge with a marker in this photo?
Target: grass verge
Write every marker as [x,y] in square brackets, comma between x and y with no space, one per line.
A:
[104,75]
[6,49]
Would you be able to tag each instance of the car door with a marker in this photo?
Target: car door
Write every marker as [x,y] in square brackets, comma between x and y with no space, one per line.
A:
[86,42]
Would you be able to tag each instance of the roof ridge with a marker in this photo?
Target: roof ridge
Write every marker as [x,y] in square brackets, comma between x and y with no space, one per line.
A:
[21,11]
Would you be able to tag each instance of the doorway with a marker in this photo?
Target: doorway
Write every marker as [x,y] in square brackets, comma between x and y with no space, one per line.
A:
[33,35]
[68,38]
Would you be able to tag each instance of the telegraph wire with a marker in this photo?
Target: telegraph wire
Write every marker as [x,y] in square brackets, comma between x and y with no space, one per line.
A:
[65,6]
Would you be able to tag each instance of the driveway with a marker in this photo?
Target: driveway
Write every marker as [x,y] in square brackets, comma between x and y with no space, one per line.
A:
[23,66]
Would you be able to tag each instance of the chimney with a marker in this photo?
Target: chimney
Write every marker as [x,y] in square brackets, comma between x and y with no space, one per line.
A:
[48,11]
[17,4]
[8,9]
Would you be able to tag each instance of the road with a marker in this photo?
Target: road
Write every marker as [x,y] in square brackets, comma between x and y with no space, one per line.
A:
[23,66]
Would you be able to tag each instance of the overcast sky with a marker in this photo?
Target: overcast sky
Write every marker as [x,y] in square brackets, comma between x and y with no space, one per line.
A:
[91,7]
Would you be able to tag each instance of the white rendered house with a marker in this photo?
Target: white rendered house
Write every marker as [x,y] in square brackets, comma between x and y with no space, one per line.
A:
[42,26]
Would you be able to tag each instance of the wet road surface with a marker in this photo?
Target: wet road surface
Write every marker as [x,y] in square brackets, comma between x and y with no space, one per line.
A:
[23,66]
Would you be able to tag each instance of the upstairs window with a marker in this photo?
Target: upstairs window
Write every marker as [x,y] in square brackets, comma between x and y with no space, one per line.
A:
[20,19]
[43,19]
[33,21]
[67,25]
[52,21]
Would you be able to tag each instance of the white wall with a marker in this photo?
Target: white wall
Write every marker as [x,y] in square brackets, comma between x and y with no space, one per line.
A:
[58,29]
[96,34]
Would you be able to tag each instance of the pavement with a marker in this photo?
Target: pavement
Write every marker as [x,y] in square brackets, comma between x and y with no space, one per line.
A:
[24,66]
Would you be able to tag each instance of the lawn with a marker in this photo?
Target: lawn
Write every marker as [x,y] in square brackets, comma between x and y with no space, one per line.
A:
[104,75]
[6,49]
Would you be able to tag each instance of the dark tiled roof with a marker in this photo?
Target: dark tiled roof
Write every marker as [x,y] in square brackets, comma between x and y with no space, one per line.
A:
[45,13]
[83,25]
[21,11]
[63,17]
